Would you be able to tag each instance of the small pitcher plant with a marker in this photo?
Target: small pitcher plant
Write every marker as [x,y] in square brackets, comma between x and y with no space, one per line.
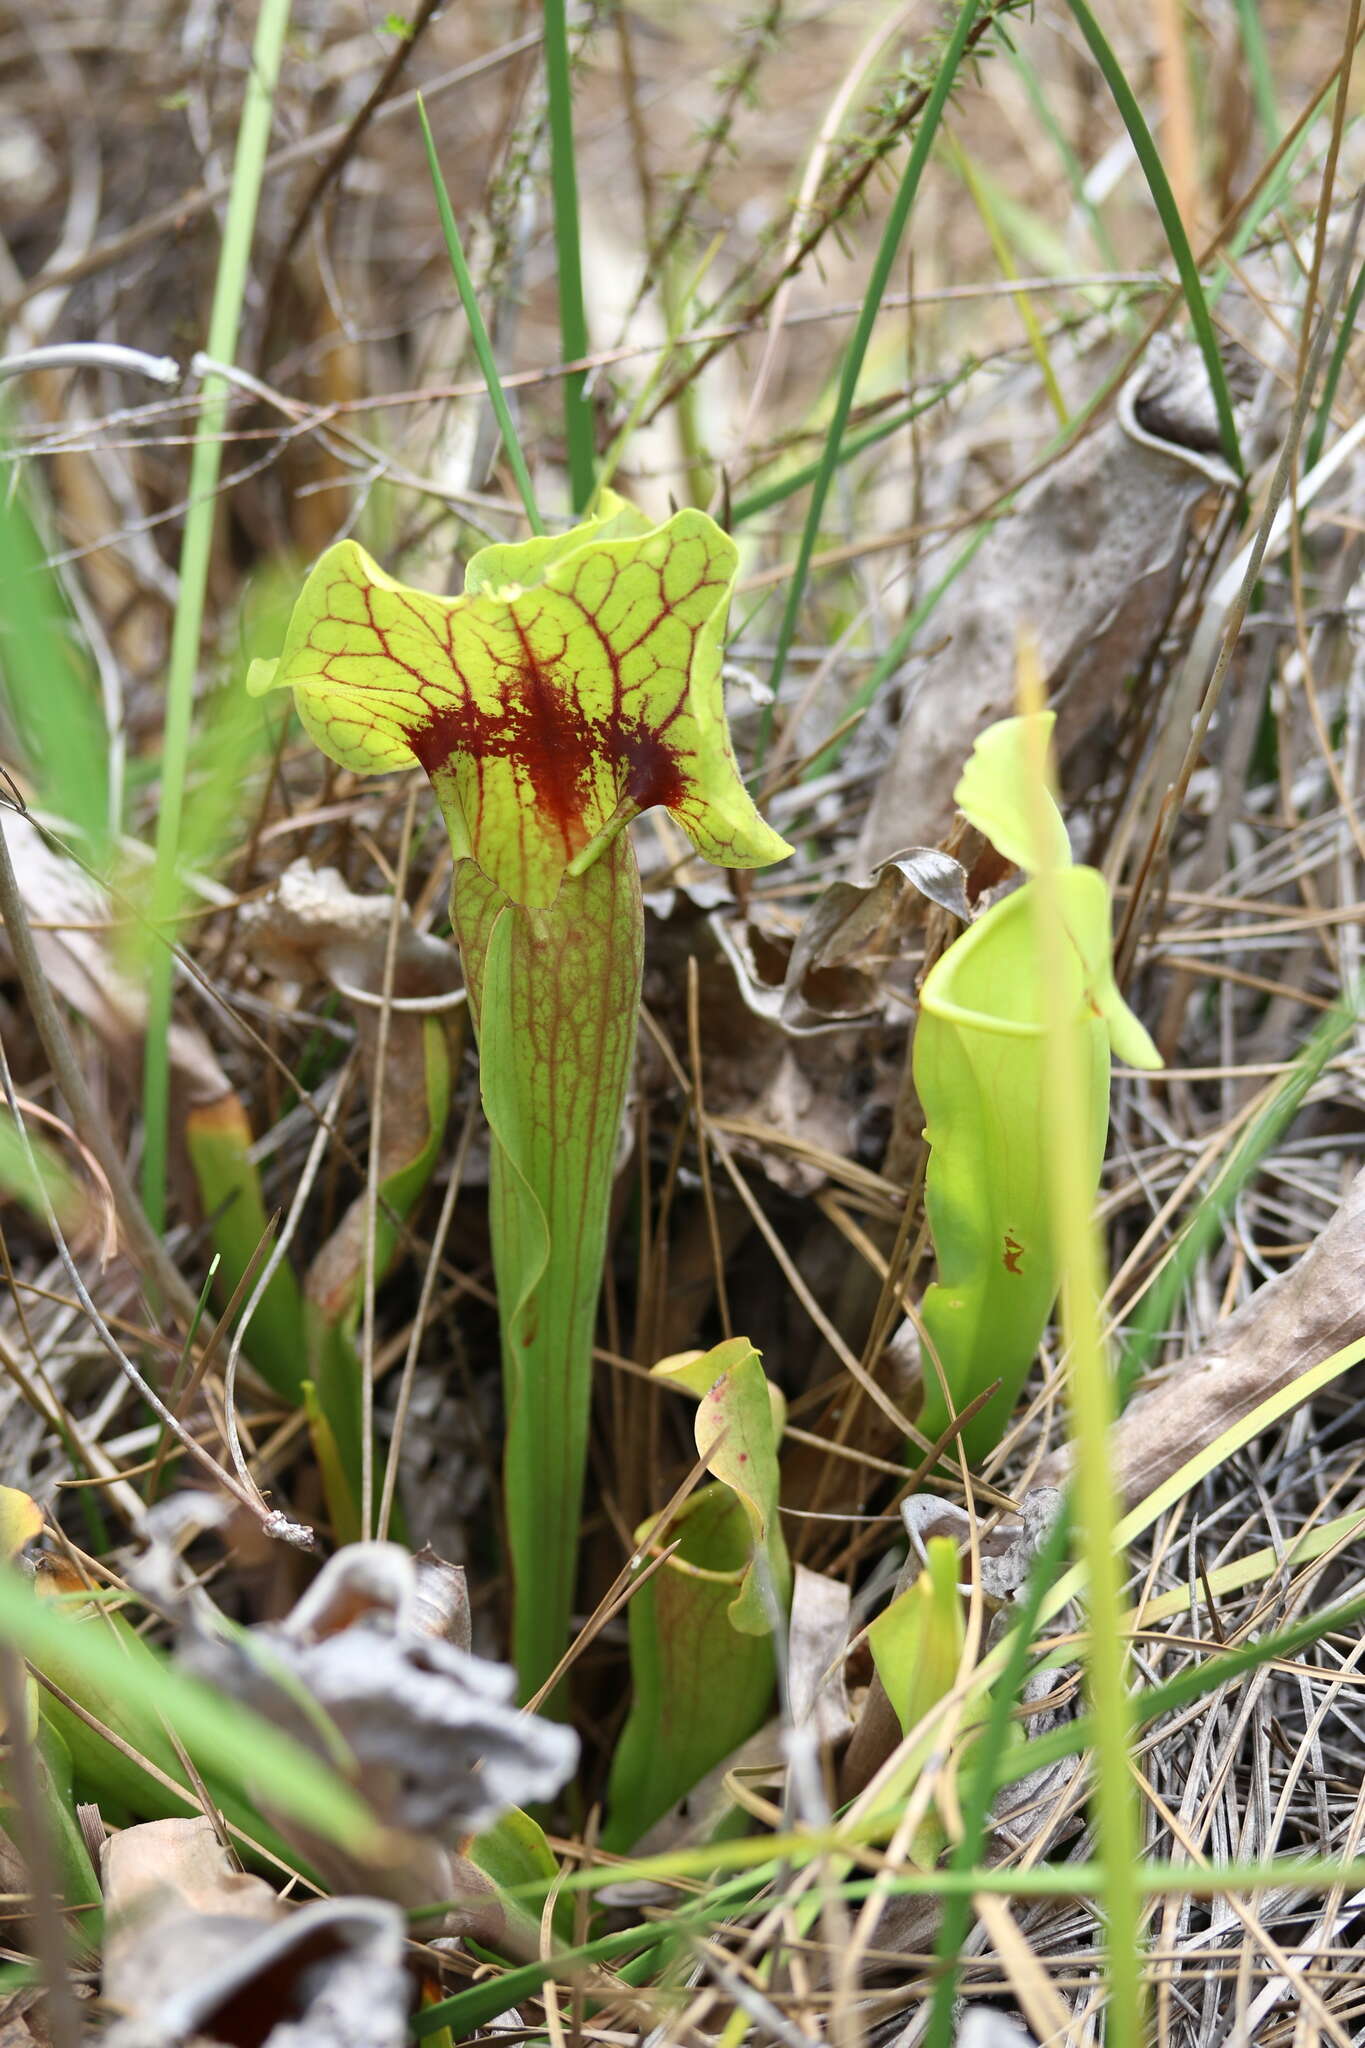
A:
[979,1062]
[574,685]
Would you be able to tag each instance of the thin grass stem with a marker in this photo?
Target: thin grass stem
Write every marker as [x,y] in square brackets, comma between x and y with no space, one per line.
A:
[478,332]
[1090,1392]
[1159,185]
[573,320]
[856,352]
[253,138]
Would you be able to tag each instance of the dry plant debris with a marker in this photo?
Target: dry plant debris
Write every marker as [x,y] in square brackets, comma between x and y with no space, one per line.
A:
[1037,449]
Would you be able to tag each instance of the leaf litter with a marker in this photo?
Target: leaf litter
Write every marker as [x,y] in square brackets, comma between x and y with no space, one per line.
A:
[776,1131]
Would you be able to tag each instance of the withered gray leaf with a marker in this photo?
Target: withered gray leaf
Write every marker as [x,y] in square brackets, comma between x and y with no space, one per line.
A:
[1087,562]
[440,1747]
[936,875]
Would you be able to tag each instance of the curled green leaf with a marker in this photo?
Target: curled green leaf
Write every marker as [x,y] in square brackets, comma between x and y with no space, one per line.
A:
[979,1060]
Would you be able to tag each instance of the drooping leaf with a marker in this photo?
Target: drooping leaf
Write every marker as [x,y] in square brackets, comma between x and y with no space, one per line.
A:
[917,1640]
[701,1651]
[997,793]
[738,1428]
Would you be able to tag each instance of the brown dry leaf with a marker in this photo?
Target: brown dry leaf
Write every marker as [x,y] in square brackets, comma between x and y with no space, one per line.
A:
[195,1948]
[1088,561]
[1288,1326]
[830,974]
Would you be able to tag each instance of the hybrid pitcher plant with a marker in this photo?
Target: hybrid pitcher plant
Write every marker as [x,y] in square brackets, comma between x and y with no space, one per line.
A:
[574,685]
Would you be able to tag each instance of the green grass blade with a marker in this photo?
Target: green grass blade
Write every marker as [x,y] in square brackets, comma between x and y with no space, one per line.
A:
[767,495]
[46,682]
[1090,1398]
[224,1737]
[1174,228]
[857,348]
[981,1782]
[482,2003]
[1259,67]
[1345,336]
[1155,1310]
[982,192]
[1187,1686]
[253,138]
[573,322]
[478,332]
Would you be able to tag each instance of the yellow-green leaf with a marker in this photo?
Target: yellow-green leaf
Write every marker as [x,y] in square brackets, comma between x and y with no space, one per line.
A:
[576,683]
[998,793]
[21,1519]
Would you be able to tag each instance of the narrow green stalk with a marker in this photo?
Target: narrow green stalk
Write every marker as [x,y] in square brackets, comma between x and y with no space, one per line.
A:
[478,332]
[1004,256]
[253,137]
[573,321]
[1173,227]
[1259,68]
[1346,334]
[856,351]
[1091,1395]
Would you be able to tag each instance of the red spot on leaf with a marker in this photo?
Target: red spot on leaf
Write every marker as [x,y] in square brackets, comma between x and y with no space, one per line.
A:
[1013,1252]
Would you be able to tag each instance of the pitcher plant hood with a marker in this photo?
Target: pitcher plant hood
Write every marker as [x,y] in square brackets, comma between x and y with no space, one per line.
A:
[575,684]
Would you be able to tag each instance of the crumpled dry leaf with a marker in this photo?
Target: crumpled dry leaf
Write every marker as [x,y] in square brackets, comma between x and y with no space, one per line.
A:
[310,927]
[80,965]
[830,974]
[440,1746]
[409,1617]
[1289,1325]
[1087,561]
[196,1949]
